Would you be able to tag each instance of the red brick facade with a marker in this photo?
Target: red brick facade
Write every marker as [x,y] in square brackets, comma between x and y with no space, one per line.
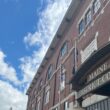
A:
[98,29]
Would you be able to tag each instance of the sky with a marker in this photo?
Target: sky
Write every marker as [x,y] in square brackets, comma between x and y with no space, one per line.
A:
[27,28]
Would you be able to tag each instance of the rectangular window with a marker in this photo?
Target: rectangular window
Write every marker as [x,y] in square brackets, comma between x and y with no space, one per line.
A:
[64,49]
[62,81]
[50,71]
[47,95]
[32,106]
[56,108]
[81,26]
[88,17]
[66,106]
[96,5]
[38,105]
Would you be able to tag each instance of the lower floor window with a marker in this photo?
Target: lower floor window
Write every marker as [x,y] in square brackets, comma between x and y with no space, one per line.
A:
[66,105]
[47,95]
[38,105]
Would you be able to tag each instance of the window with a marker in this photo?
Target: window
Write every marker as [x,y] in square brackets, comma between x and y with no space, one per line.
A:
[81,26]
[62,78]
[38,105]
[96,5]
[50,71]
[62,84]
[32,106]
[64,49]
[88,17]
[56,108]
[41,84]
[66,105]
[47,94]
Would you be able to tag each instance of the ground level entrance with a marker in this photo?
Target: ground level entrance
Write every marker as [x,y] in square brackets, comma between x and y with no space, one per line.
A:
[102,105]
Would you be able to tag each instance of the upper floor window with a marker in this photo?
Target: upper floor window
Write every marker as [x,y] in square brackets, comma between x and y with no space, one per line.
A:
[64,49]
[96,5]
[88,17]
[47,94]
[41,84]
[81,26]
[50,71]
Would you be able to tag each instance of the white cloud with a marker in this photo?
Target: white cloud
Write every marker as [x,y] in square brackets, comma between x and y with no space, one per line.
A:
[30,65]
[47,26]
[10,97]
[49,22]
[6,70]
[32,39]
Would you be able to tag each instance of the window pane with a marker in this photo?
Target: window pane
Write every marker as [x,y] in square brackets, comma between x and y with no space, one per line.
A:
[66,106]
[47,93]
[62,81]
[81,26]
[96,5]
[64,49]
[50,72]
[38,105]
[88,17]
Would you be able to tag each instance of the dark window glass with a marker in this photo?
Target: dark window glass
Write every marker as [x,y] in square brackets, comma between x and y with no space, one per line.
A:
[64,49]
[66,105]
[50,71]
[81,26]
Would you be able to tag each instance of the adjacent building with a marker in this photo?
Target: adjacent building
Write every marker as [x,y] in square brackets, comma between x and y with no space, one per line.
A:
[75,72]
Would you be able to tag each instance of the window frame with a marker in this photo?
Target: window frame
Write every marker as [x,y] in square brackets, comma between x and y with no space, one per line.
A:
[88,17]
[47,94]
[62,75]
[66,105]
[81,27]
[96,6]
[64,49]
[50,72]
[38,103]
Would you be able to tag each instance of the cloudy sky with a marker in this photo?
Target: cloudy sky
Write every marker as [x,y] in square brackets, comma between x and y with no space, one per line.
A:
[26,30]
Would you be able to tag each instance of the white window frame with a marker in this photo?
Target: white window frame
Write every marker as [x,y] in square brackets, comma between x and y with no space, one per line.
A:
[88,17]
[62,78]
[47,94]
[96,6]
[62,83]
[81,26]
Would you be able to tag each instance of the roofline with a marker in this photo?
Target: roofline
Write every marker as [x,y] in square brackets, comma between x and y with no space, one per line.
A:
[67,18]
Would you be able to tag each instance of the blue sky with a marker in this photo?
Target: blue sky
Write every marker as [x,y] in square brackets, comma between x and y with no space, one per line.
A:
[26,30]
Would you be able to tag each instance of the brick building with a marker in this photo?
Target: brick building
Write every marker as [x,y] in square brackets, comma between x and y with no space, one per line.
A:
[75,72]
